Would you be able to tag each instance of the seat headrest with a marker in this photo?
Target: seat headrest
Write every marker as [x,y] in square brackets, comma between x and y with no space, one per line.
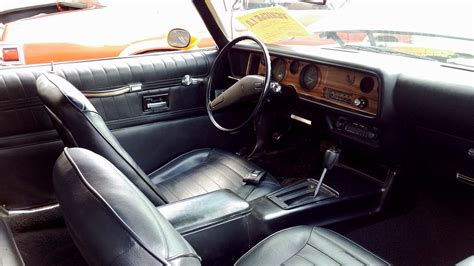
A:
[50,87]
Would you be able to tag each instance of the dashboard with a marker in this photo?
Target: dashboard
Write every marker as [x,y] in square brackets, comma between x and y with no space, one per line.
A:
[373,102]
[355,90]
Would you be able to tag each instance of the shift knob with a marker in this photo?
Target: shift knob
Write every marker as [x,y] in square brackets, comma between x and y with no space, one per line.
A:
[330,158]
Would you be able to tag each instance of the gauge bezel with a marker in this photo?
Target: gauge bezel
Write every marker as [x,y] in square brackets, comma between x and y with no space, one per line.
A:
[303,73]
[294,69]
[274,62]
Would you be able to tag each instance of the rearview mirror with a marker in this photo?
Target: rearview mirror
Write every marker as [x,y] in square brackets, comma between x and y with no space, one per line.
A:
[179,38]
[77,4]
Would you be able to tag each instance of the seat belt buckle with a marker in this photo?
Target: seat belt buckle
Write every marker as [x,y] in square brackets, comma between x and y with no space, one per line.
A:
[254,177]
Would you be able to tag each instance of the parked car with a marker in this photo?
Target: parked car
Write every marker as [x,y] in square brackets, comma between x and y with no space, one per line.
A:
[86,29]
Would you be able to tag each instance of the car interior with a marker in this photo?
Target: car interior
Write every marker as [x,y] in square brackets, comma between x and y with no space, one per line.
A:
[246,153]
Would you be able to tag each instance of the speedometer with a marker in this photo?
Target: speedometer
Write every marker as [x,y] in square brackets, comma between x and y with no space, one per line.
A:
[278,69]
[309,77]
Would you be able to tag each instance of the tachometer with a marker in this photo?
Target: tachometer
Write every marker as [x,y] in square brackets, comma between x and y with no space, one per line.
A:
[278,69]
[309,77]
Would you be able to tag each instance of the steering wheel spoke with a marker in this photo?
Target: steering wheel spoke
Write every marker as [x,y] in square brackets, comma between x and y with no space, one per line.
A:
[242,90]
[246,88]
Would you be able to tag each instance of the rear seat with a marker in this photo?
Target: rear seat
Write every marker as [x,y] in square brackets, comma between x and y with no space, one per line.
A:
[9,254]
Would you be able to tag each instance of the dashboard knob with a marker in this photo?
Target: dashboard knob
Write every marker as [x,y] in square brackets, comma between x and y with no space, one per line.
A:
[361,102]
[340,124]
[371,135]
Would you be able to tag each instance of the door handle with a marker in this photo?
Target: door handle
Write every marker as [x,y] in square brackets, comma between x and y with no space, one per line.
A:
[188,80]
[158,102]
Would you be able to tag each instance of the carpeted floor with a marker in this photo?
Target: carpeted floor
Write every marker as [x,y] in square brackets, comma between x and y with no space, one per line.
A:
[51,246]
[43,239]
[437,230]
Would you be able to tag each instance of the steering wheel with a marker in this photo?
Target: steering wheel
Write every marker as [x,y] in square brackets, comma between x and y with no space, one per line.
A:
[245,88]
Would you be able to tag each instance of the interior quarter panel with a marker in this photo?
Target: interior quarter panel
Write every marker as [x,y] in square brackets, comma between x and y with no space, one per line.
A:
[25,174]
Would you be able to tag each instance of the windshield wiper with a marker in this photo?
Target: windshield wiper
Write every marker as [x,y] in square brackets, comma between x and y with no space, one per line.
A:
[384,50]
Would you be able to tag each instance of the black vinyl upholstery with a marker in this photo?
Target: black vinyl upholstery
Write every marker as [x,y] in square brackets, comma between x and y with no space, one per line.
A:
[80,125]
[306,245]
[9,254]
[205,170]
[110,220]
[113,223]
[27,131]
[22,110]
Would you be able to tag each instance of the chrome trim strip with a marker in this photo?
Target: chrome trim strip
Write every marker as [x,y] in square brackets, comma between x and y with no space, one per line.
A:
[465,179]
[301,119]
[107,93]
[32,210]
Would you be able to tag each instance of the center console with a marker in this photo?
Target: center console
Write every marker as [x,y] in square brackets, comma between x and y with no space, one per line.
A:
[220,222]
[346,194]
[214,224]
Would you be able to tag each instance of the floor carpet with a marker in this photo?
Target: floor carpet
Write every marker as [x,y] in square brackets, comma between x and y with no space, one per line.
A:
[438,229]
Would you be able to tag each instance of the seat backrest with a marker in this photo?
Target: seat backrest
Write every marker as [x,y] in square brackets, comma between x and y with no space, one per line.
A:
[79,125]
[110,220]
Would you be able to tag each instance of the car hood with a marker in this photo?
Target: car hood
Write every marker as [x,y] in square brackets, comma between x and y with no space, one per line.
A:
[428,18]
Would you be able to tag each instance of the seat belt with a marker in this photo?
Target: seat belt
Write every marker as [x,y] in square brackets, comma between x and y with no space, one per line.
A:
[254,177]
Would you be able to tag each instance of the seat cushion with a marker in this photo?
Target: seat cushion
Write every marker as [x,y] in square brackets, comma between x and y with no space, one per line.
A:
[205,170]
[306,245]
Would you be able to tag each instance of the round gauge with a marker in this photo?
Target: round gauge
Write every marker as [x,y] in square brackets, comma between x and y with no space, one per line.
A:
[278,69]
[294,67]
[309,77]
[366,84]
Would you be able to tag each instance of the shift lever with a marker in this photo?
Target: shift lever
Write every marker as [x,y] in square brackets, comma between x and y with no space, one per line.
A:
[330,159]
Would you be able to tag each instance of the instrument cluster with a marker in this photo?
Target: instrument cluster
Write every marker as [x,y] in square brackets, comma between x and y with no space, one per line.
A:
[354,89]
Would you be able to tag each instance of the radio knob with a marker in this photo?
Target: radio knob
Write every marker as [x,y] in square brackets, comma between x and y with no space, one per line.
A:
[361,102]
[371,135]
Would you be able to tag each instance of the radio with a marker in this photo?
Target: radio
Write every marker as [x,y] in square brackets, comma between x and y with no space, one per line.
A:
[354,128]
[341,96]
[330,93]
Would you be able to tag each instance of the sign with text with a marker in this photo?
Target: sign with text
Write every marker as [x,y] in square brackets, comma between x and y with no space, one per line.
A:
[273,24]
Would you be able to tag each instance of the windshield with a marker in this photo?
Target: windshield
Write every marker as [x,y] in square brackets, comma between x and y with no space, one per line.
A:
[429,30]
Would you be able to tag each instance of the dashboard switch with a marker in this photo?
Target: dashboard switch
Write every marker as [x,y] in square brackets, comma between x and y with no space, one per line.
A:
[340,124]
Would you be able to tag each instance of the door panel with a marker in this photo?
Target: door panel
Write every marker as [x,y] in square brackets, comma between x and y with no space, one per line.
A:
[25,178]
[29,145]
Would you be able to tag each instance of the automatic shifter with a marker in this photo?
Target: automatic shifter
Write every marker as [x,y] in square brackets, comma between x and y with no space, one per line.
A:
[330,159]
